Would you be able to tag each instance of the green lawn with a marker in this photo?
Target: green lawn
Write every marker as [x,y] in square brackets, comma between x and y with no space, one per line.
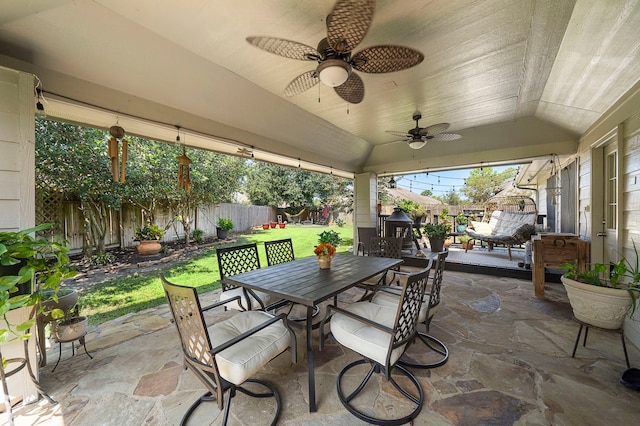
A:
[132,293]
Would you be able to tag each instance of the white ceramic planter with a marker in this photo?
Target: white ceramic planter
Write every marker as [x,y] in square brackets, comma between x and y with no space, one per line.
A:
[602,307]
[72,329]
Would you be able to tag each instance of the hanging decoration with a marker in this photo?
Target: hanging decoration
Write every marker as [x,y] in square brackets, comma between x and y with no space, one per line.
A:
[184,179]
[555,190]
[118,163]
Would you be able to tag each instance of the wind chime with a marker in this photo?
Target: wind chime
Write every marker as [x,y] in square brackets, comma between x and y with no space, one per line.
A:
[118,169]
[184,180]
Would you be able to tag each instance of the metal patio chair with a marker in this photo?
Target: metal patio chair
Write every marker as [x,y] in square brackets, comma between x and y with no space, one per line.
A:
[438,353]
[235,260]
[281,251]
[225,355]
[381,335]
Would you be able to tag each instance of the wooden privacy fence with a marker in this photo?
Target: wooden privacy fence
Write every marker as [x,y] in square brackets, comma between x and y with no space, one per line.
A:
[121,224]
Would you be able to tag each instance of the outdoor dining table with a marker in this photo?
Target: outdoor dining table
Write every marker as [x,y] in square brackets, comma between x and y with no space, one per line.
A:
[302,281]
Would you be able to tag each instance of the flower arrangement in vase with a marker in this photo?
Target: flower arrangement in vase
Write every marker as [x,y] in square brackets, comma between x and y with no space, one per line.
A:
[324,252]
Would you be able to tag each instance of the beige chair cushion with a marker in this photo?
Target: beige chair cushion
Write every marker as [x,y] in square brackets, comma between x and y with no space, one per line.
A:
[242,360]
[383,298]
[266,298]
[362,338]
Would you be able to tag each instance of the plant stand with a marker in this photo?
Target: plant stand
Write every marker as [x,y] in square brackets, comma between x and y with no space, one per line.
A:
[21,364]
[80,339]
[586,332]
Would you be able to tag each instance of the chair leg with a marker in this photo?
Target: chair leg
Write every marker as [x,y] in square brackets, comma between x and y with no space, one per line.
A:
[432,344]
[410,396]
[231,392]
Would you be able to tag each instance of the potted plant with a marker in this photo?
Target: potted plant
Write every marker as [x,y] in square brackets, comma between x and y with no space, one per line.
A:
[466,242]
[224,226]
[265,226]
[149,237]
[72,326]
[602,296]
[461,222]
[282,225]
[437,234]
[43,264]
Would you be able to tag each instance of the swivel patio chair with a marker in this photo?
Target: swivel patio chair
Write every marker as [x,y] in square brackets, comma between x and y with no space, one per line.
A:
[233,261]
[364,238]
[224,355]
[380,334]
[281,251]
[382,247]
[438,353]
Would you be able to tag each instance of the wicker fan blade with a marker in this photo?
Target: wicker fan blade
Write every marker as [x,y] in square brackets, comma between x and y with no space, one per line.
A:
[434,129]
[348,23]
[401,134]
[446,137]
[381,59]
[287,48]
[352,90]
[302,83]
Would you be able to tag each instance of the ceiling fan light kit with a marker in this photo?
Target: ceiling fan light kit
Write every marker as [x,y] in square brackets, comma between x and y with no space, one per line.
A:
[334,72]
[417,144]
[347,25]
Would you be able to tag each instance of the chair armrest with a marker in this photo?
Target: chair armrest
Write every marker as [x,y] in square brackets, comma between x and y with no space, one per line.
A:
[248,333]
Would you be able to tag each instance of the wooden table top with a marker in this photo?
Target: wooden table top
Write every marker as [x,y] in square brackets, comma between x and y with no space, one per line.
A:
[302,281]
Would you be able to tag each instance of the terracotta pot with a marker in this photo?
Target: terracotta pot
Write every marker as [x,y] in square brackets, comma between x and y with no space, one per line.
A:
[324,262]
[265,226]
[149,247]
[273,224]
[281,225]
[602,307]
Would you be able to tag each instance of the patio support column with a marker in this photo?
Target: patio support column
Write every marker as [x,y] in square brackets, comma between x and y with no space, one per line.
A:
[365,209]
[17,197]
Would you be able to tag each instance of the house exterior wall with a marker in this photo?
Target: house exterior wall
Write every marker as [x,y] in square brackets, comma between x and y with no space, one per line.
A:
[17,200]
[622,123]
[365,189]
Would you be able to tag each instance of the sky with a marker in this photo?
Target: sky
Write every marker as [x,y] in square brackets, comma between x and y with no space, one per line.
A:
[439,183]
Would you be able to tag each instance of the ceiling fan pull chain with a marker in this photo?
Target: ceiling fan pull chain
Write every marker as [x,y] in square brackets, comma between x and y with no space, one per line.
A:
[347,108]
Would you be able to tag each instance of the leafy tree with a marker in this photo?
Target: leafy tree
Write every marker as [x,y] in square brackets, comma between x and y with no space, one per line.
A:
[73,160]
[483,183]
[452,198]
[273,185]
[427,193]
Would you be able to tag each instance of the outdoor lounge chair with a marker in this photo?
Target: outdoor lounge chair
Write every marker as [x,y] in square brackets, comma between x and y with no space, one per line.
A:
[224,356]
[510,229]
[381,335]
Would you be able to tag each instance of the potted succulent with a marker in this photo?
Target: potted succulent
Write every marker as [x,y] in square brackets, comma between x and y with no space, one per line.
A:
[149,237]
[602,296]
[461,222]
[466,242]
[224,226]
[437,234]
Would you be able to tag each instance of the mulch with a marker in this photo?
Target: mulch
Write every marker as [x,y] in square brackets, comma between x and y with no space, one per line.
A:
[128,261]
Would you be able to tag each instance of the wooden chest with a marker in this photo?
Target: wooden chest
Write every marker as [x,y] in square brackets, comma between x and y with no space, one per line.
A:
[554,250]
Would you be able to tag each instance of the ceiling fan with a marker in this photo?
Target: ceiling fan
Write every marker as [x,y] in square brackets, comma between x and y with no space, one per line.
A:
[347,24]
[419,136]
